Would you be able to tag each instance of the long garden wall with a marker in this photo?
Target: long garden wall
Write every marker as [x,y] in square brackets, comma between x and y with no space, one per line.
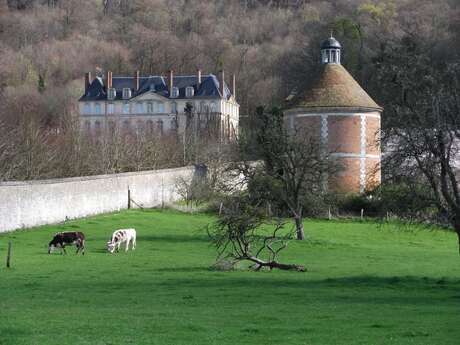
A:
[32,203]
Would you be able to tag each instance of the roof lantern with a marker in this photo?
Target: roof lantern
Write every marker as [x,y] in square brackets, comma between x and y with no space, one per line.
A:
[330,51]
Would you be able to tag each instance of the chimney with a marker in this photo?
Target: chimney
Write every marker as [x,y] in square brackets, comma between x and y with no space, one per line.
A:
[136,81]
[109,80]
[222,82]
[234,86]
[171,82]
[199,78]
[87,81]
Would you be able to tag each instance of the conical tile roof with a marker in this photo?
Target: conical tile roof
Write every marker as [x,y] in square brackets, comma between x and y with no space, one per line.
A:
[335,88]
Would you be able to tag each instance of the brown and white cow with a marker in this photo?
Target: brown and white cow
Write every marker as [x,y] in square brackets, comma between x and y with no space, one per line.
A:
[122,236]
[61,239]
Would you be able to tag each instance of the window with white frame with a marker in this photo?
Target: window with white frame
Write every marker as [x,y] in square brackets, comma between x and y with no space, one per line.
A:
[150,127]
[112,127]
[97,108]
[139,107]
[126,108]
[126,93]
[175,92]
[139,126]
[87,108]
[110,108]
[150,107]
[97,126]
[161,107]
[189,91]
[160,127]
[173,107]
[173,124]
[212,107]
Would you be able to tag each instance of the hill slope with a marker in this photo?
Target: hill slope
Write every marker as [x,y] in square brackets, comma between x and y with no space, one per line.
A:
[366,284]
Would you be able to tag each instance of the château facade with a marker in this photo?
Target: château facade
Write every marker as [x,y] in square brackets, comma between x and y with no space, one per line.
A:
[159,104]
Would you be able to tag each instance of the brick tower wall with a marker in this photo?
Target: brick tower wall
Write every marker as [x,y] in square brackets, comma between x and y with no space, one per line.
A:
[353,139]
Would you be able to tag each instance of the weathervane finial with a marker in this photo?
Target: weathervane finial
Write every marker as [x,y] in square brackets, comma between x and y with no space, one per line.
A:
[332,30]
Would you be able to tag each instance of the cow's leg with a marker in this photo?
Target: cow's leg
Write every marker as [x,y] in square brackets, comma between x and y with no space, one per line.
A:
[134,243]
[63,250]
[127,245]
[82,247]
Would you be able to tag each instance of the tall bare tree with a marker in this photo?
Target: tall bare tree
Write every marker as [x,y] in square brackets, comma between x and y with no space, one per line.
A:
[294,166]
[422,120]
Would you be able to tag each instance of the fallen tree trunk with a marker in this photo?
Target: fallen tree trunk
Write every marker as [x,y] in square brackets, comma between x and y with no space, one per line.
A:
[274,264]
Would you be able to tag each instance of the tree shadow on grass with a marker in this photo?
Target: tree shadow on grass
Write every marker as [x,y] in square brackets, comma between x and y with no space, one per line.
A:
[174,238]
[371,290]
[185,269]
[409,283]
[99,250]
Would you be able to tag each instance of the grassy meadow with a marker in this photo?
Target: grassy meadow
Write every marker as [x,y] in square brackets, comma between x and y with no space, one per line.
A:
[366,284]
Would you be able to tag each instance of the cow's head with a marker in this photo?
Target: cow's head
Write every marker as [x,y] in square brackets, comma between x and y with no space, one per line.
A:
[110,246]
[53,245]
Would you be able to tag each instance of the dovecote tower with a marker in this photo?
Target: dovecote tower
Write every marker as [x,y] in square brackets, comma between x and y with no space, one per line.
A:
[345,119]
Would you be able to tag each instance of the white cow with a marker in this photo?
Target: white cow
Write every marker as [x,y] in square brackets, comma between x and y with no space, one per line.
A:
[120,236]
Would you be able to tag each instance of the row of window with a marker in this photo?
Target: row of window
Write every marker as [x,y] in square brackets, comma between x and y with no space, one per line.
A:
[149,125]
[138,107]
[145,107]
[127,93]
[150,107]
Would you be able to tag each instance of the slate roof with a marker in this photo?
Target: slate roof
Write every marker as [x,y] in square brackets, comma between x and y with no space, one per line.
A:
[334,87]
[209,87]
[331,42]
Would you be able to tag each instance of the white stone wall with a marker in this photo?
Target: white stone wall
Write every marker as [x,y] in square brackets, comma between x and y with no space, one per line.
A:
[27,204]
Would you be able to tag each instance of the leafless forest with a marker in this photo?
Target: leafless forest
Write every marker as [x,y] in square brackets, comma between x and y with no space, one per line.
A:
[271,46]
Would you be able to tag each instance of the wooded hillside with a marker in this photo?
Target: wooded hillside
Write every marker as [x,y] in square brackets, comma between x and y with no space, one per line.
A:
[271,46]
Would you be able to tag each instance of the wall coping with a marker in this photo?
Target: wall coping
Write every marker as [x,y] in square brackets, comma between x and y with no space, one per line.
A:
[91,177]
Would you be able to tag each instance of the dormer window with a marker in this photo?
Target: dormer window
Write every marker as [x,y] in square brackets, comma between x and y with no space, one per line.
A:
[189,91]
[126,93]
[111,93]
[175,92]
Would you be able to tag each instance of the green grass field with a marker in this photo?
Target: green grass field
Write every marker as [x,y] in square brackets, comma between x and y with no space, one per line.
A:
[366,284]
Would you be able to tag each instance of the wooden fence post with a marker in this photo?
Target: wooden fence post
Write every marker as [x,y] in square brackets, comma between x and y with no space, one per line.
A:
[362,213]
[329,215]
[129,198]
[220,208]
[8,255]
